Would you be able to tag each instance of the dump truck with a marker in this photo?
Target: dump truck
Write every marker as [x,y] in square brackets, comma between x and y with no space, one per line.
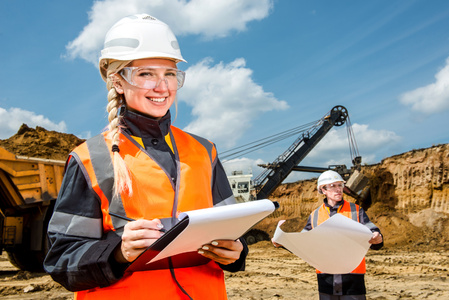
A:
[28,190]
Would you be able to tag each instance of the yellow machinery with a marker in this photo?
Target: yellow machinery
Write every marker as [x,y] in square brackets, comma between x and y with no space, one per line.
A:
[28,189]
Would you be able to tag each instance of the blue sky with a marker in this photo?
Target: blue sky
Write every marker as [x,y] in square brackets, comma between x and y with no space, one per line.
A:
[255,68]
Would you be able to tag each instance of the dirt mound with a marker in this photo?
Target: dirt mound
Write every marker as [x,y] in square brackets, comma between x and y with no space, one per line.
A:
[41,143]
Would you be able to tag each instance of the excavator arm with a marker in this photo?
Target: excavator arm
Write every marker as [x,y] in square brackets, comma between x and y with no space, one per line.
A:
[277,171]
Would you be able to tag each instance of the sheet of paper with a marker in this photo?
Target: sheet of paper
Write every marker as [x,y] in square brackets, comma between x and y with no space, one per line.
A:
[224,222]
[336,246]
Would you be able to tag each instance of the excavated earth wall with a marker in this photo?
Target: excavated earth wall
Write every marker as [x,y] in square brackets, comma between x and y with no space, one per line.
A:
[409,198]
[421,179]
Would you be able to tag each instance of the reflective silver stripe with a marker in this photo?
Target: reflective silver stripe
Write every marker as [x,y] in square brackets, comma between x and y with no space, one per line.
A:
[102,164]
[206,144]
[338,285]
[75,225]
[178,176]
[104,171]
[354,214]
[209,147]
[82,168]
[370,225]
[212,178]
[116,206]
[227,201]
[315,217]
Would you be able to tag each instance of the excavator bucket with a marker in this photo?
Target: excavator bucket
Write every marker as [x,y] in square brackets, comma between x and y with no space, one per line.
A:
[357,182]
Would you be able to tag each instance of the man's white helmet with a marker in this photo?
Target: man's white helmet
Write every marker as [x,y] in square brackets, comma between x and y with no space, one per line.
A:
[328,177]
[136,37]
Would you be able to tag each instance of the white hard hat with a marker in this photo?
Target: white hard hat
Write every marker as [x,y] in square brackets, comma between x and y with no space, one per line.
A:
[328,177]
[136,37]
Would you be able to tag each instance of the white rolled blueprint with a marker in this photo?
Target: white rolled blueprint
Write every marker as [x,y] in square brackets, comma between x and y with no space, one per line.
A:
[336,246]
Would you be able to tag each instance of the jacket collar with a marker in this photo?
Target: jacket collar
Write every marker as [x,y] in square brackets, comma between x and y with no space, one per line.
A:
[139,125]
[337,205]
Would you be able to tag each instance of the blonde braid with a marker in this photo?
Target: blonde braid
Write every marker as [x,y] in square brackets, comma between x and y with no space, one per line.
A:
[122,177]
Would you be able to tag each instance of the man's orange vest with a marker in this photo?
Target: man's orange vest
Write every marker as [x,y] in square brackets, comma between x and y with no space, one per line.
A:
[155,195]
[349,210]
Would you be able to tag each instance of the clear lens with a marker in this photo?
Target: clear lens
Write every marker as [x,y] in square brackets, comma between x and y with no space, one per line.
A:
[151,77]
[334,186]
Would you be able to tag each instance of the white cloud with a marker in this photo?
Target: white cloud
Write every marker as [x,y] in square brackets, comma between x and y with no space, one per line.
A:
[85,135]
[432,98]
[225,100]
[219,18]
[244,164]
[13,118]
[210,19]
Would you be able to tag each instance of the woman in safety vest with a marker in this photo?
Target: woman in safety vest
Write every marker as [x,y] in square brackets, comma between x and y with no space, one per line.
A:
[124,187]
[341,286]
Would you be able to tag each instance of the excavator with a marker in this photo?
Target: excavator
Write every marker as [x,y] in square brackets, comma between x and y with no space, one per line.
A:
[247,189]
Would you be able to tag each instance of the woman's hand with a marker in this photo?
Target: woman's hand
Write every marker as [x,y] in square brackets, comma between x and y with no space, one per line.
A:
[224,252]
[376,239]
[137,236]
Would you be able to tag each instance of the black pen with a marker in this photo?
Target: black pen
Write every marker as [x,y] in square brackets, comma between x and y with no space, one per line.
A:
[121,217]
[129,219]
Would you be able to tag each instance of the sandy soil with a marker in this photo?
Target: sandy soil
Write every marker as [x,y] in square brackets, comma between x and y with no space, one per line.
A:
[393,273]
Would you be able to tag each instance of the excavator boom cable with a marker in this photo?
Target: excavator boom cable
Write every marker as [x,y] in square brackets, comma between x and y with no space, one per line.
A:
[353,149]
[264,142]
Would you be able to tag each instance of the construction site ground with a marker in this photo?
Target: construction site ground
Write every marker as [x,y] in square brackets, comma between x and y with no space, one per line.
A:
[406,273]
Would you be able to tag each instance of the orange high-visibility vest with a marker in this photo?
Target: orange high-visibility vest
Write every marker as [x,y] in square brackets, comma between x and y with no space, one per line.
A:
[349,210]
[155,195]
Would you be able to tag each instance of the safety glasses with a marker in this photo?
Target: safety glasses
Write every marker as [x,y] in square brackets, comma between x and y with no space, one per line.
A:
[150,77]
[334,186]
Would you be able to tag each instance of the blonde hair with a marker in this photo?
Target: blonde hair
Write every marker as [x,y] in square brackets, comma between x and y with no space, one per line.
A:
[122,177]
